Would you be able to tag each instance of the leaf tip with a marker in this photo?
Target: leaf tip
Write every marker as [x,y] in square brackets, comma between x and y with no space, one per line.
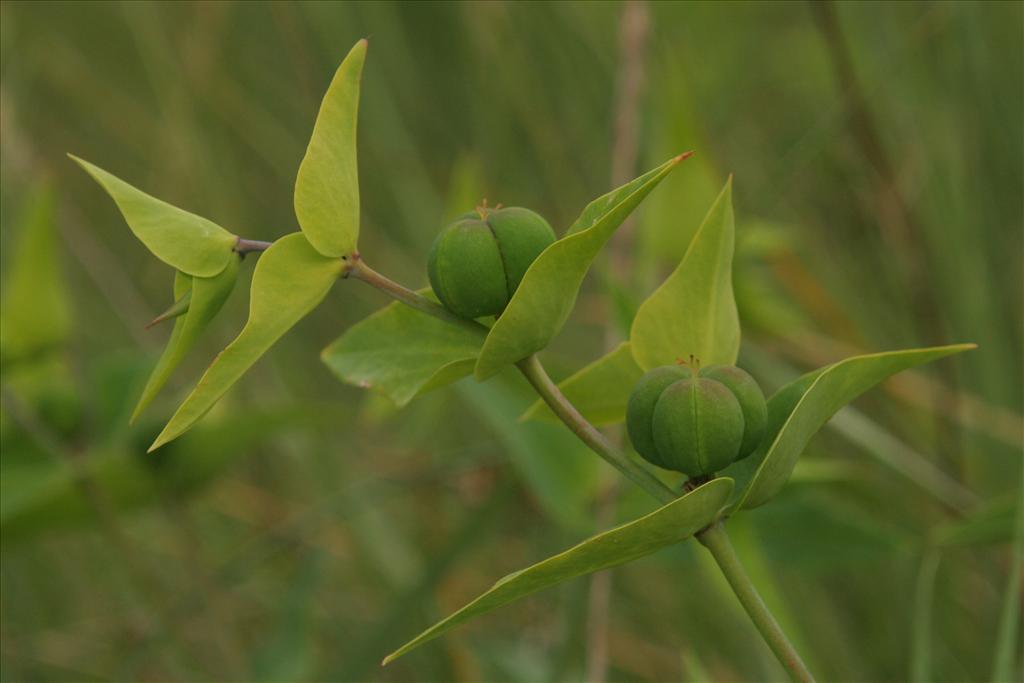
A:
[683,157]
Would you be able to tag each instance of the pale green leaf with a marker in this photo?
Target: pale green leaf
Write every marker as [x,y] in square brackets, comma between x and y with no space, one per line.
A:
[290,279]
[35,314]
[403,352]
[547,293]
[798,410]
[668,525]
[180,239]
[693,311]
[600,391]
[206,296]
[327,187]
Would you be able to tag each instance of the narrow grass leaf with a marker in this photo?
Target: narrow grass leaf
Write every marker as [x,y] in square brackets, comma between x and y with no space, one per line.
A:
[289,281]
[694,310]
[206,296]
[547,293]
[668,525]
[327,187]
[183,240]
[600,391]
[402,353]
[798,410]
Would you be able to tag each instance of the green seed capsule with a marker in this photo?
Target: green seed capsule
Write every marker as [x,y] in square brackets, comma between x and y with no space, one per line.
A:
[640,409]
[751,400]
[477,262]
[698,426]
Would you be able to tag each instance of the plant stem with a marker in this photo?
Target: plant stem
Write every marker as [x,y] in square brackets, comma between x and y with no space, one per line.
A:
[716,540]
[358,270]
[244,246]
[713,538]
[587,433]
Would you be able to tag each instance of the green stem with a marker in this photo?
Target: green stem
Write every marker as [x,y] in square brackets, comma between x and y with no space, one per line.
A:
[716,540]
[713,538]
[587,433]
[357,269]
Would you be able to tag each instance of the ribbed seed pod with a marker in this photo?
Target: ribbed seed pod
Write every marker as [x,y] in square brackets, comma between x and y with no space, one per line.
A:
[751,400]
[477,262]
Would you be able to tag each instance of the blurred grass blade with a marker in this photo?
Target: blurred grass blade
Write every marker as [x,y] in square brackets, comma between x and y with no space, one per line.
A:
[666,526]
[327,186]
[35,314]
[402,352]
[206,296]
[558,470]
[921,638]
[1008,638]
[290,280]
[183,240]
[798,410]
[694,310]
[599,391]
[547,293]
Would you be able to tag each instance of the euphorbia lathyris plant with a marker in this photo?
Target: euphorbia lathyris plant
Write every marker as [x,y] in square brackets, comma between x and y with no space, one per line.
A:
[503,287]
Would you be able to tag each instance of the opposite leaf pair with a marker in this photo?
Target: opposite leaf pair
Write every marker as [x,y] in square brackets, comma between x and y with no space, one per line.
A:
[292,276]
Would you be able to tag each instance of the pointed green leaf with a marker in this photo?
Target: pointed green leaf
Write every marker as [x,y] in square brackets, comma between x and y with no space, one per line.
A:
[693,311]
[290,279]
[668,525]
[547,293]
[180,239]
[800,408]
[600,391]
[206,296]
[403,352]
[327,187]
[35,314]
[179,307]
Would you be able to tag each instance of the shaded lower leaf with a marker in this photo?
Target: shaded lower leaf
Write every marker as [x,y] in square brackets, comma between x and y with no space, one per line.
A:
[599,391]
[694,311]
[670,524]
[403,352]
[547,292]
[35,315]
[289,281]
[206,296]
[799,409]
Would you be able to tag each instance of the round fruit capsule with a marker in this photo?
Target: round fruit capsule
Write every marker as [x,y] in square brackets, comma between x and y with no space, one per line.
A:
[697,426]
[477,262]
[751,400]
[640,409]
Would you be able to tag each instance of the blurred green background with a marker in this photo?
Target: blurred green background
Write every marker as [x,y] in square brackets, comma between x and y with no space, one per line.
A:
[306,528]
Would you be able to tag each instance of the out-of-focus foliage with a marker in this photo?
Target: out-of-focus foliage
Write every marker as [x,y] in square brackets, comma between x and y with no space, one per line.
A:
[305,528]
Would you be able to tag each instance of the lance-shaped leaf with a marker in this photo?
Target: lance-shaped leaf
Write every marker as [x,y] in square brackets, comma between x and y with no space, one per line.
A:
[35,314]
[548,290]
[206,296]
[600,391]
[183,240]
[799,409]
[666,526]
[290,279]
[403,352]
[327,187]
[693,311]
